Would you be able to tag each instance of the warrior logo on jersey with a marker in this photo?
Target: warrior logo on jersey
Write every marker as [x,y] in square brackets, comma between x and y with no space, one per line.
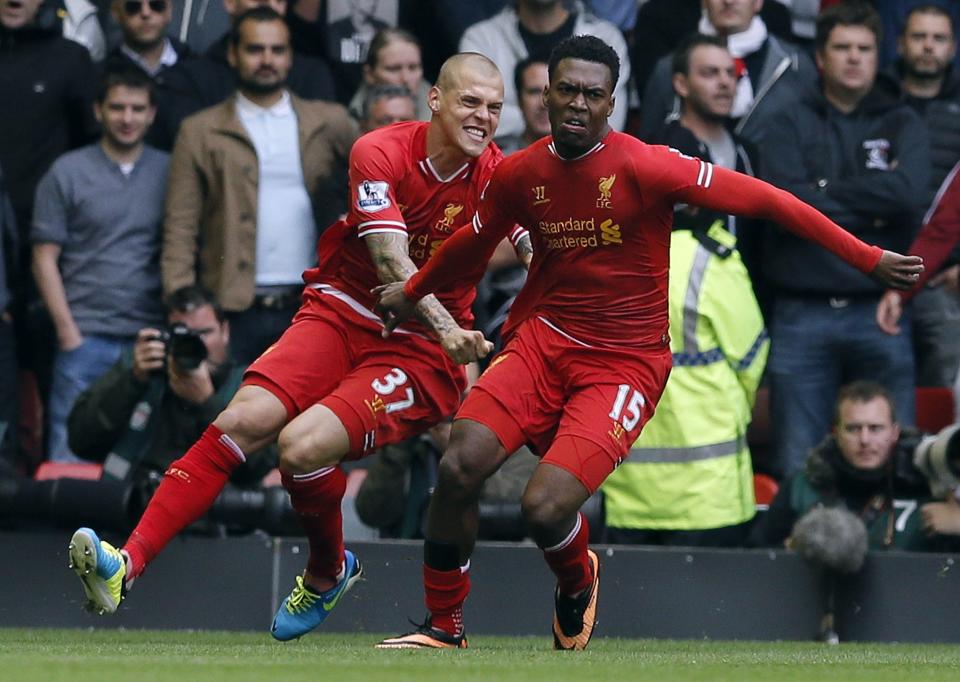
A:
[539,195]
[605,186]
[372,196]
[450,214]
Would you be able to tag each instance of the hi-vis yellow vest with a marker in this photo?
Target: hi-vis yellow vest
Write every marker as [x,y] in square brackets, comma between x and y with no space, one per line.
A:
[690,468]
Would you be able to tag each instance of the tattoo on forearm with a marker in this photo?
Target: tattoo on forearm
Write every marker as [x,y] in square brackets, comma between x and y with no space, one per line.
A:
[524,248]
[432,313]
[388,251]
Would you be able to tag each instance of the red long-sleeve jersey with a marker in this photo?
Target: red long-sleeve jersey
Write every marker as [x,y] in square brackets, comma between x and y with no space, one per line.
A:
[940,231]
[395,188]
[600,227]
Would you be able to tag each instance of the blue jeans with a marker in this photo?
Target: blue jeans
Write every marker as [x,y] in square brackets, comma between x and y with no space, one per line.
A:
[73,372]
[818,345]
[8,393]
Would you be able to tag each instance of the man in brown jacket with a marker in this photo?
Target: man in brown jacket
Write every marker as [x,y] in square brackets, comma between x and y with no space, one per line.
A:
[253,181]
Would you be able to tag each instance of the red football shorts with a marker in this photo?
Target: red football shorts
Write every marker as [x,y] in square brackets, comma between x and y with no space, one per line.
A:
[383,390]
[545,385]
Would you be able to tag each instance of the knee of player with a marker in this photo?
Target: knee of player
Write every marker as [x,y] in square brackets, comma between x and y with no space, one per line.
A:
[457,476]
[302,451]
[541,509]
[237,422]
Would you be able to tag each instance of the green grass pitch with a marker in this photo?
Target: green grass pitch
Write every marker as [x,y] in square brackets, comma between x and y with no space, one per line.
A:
[154,656]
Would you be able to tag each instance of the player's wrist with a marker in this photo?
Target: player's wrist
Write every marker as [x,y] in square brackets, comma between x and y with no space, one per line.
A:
[410,291]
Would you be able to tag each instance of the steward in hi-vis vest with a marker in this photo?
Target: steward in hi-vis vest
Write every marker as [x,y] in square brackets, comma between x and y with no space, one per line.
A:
[690,468]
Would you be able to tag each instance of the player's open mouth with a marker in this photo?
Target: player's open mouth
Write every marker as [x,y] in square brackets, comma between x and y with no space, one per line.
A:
[575,124]
[478,134]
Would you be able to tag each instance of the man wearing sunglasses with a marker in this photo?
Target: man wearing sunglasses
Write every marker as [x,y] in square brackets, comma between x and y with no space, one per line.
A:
[201,82]
[145,41]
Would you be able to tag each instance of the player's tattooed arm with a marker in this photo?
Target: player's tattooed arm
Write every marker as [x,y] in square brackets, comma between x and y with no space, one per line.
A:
[388,250]
[524,249]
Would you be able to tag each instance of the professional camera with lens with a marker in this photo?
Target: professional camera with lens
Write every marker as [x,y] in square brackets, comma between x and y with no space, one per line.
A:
[184,346]
[937,457]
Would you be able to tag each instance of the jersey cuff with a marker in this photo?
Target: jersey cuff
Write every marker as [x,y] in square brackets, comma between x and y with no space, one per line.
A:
[378,226]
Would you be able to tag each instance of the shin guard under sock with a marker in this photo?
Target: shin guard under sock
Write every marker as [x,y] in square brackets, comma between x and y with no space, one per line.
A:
[446,586]
[316,498]
[188,489]
[569,561]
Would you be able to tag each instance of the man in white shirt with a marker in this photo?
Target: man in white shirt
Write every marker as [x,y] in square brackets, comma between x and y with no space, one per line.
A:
[253,181]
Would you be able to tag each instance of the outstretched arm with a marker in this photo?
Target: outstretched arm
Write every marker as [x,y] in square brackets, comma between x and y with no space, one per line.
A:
[730,192]
[388,250]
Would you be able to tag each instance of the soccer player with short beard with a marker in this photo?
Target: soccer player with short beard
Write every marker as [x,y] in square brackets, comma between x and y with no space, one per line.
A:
[587,352]
[333,388]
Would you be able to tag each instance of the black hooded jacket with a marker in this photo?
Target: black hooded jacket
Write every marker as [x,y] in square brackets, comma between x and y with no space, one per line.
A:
[867,170]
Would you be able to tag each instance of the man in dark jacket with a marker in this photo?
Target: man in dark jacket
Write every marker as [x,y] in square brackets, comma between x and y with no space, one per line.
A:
[931,86]
[769,73]
[861,157]
[866,466]
[147,410]
[704,80]
[46,107]
[201,82]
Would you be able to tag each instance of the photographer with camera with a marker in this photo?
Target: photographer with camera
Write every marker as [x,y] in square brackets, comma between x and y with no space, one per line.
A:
[150,407]
[866,466]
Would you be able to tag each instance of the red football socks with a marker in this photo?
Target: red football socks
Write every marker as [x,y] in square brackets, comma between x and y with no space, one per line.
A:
[569,561]
[316,498]
[445,593]
[187,490]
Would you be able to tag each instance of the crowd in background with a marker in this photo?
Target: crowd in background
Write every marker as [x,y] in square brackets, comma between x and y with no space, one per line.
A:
[164,177]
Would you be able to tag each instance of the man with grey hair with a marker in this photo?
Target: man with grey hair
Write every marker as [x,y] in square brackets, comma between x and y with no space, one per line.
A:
[386,104]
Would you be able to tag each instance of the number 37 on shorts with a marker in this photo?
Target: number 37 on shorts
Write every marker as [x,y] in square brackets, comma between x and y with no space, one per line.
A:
[393,385]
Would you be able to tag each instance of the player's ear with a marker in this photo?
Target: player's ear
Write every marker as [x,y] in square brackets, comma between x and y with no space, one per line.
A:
[433,99]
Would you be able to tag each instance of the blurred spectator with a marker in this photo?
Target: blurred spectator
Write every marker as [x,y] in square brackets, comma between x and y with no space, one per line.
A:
[931,87]
[534,27]
[689,479]
[200,82]
[893,16]
[440,24]
[803,20]
[341,33]
[620,13]
[662,24]
[155,401]
[48,85]
[81,24]
[144,25]
[856,153]
[938,237]
[866,466]
[386,104]
[8,356]
[251,181]
[145,43]
[96,241]
[770,71]
[393,59]
[530,78]
[703,83]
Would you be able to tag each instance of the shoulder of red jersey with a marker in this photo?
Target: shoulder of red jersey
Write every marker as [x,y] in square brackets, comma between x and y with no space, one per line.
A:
[395,142]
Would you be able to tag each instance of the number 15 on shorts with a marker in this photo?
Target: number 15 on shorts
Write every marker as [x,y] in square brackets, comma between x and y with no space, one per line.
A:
[627,407]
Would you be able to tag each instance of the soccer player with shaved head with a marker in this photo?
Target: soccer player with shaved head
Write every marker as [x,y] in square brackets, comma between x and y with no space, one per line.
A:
[333,388]
[587,348]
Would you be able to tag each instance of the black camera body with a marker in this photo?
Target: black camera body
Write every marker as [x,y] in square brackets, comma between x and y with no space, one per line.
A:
[184,346]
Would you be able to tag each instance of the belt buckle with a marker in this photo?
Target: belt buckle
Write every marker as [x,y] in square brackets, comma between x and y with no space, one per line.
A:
[837,302]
